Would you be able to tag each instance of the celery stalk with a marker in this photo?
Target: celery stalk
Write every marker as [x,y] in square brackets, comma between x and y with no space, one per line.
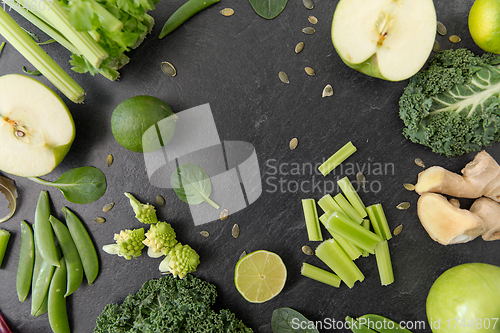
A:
[352,196]
[327,203]
[109,21]
[350,249]
[379,221]
[324,218]
[347,208]
[4,240]
[336,159]
[320,275]
[312,222]
[353,232]
[25,45]
[384,263]
[366,225]
[334,257]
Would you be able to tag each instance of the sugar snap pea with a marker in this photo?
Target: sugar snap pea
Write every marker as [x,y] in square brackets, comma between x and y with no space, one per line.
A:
[84,245]
[184,12]
[382,324]
[41,285]
[70,253]
[358,327]
[43,230]
[26,262]
[4,240]
[44,307]
[36,271]
[58,315]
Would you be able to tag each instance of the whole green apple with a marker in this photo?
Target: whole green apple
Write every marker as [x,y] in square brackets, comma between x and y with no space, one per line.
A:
[465,298]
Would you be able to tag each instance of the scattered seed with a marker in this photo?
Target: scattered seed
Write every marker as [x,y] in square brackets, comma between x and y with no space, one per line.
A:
[283,77]
[244,253]
[327,91]
[168,68]
[307,250]
[224,214]
[294,143]
[308,4]
[398,230]
[109,160]
[360,178]
[403,205]
[409,187]
[419,162]
[227,11]
[299,47]
[235,231]
[455,39]
[160,201]
[312,19]
[99,220]
[20,134]
[310,71]
[441,29]
[107,207]
[436,48]
[308,30]
[204,233]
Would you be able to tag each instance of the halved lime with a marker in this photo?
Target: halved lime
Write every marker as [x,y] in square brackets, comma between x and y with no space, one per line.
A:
[259,276]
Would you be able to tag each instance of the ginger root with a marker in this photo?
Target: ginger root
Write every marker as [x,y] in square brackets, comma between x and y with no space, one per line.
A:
[489,211]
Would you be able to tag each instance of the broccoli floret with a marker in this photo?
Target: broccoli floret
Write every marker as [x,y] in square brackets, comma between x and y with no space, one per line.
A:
[160,239]
[128,244]
[453,107]
[145,213]
[181,260]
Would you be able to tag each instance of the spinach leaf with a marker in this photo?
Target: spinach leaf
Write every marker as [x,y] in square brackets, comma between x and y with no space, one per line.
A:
[268,9]
[80,185]
[286,320]
[192,184]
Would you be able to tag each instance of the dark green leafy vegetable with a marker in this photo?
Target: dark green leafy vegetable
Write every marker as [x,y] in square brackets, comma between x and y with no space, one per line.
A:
[30,72]
[286,320]
[80,185]
[169,305]
[268,9]
[453,107]
[192,184]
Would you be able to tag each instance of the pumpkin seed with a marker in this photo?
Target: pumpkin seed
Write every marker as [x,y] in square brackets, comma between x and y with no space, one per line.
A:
[419,162]
[327,91]
[204,233]
[99,220]
[224,214]
[299,47]
[160,201]
[294,143]
[455,39]
[308,4]
[235,231]
[409,187]
[404,205]
[107,207]
[436,48]
[243,254]
[360,178]
[441,29]
[398,230]
[168,68]
[454,202]
[109,160]
[283,77]
[307,250]
[310,71]
[308,30]
[227,11]
[312,19]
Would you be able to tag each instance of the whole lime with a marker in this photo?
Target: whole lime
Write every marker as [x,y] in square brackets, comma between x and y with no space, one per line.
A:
[133,117]
[484,24]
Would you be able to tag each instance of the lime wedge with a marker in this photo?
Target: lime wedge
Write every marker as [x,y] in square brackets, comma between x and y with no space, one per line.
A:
[259,276]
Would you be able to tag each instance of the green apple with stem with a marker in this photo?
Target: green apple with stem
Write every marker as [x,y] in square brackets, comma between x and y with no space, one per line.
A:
[387,39]
[36,127]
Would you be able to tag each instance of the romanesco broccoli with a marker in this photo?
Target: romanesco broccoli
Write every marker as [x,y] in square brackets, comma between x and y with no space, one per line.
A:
[160,238]
[128,243]
[181,260]
[145,213]
[453,107]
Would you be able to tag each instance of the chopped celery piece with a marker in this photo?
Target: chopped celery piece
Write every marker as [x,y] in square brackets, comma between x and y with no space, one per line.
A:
[347,208]
[350,249]
[366,225]
[384,263]
[312,221]
[357,327]
[327,203]
[323,218]
[320,275]
[4,240]
[353,232]
[334,257]
[1,47]
[340,156]
[352,196]
[379,222]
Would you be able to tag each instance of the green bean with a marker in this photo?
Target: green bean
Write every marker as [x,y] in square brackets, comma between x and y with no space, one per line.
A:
[187,10]
[73,261]
[4,240]
[84,245]
[26,262]
[58,314]
[43,230]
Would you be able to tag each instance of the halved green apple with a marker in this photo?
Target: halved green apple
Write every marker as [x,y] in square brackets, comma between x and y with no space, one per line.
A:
[36,127]
[387,39]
